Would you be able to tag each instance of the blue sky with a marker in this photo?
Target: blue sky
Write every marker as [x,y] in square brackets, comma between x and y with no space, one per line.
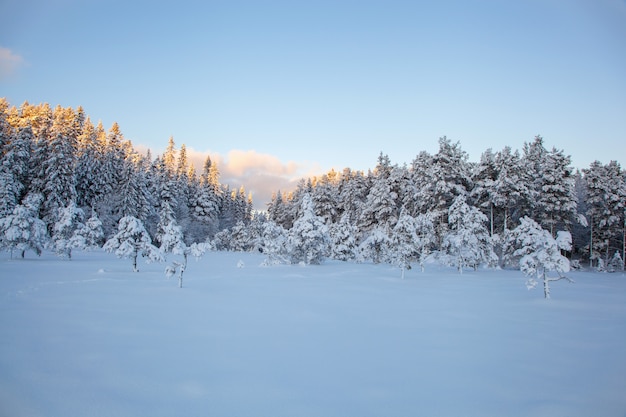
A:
[298,87]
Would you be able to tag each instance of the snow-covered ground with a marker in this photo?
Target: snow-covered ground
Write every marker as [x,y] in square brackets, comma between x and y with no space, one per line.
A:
[89,337]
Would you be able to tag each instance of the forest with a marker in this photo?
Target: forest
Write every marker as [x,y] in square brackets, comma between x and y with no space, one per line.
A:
[67,183]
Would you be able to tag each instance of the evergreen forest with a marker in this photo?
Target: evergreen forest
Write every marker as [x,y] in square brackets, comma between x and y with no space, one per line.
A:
[67,183]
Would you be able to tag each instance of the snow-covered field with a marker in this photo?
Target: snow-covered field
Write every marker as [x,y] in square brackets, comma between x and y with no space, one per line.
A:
[88,337]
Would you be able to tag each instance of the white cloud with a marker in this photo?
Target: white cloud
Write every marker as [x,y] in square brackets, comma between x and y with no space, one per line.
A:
[260,174]
[9,62]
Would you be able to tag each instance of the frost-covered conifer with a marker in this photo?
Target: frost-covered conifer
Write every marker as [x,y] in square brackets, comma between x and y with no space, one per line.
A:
[241,240]
[616,263]
[467,243]
[403,240]
[425,237]
[538,253]
[89,235]
[23,230]
[376,246]
[14,170]
[343,239]
[273,243]
[70,219]
[308,238]
[606,208]
[131,240]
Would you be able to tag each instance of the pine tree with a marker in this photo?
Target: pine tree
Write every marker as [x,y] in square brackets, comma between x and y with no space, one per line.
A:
[447,177]
[325,197]
[131,240]
[14,170]
[425,237]
[553,201]
[403,240]
[538,253]
[60,181]
[381,206]
[343,239]
[468,243]
[274,243]
[90,235]
[23,230]
[70,219]
[606,206]
[308,239]
[376,245]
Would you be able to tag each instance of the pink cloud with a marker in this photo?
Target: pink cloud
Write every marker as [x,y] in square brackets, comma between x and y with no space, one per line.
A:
[260,174]
[9,62]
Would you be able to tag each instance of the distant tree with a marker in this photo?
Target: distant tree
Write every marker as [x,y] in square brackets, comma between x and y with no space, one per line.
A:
[425,237]
[90,235]
[343,239]
[606,208]
[60,180]
[553,200]
[325,197]
[381,205]
[468,243]
[131,240]
[241,238]
[14,169]
[447,177]
[403,242]
[70,219]
[308,238]
[376,245]
[274,243]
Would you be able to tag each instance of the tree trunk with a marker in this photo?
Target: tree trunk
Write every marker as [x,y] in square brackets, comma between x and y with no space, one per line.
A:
[591,244]
[491,221]
[135,262]
[506,215]
[546,286]
[624,244]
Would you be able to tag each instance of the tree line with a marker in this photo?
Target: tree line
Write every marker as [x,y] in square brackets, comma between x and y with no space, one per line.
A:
[59,172]
[57,167]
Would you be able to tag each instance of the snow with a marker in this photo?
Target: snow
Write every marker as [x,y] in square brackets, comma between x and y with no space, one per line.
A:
[90,337]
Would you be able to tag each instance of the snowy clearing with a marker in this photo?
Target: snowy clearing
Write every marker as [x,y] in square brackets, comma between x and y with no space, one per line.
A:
[89,337]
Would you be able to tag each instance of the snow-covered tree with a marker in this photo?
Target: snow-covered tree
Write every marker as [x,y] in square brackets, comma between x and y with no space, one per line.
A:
[343,239]
[381,205]
[131,240]
[172,241]
[553,200]
[325,197]
[403,240]
[375,246]
[23,230]
[70,219]
[308,238]
[538,253]
[616,263]
[274,243]
[447,177]
[60,180]
[196,250]
[606,208]
[90,235]
[241,240]
[424,237]
[467,243]
[14,170]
